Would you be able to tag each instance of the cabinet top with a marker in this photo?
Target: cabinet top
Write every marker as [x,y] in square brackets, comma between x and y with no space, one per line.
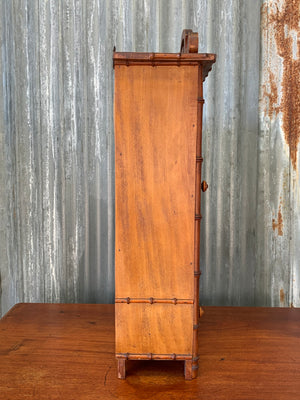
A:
[188,56]
[160,59]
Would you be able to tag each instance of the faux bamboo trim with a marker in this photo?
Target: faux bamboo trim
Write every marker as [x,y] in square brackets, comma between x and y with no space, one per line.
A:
[152,300]
[162,63]
[199,159]
[201,76]
[152,356]
[199,58]
[205,61]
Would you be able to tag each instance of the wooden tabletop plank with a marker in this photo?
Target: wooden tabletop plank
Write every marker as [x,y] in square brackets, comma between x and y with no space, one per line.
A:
[66,351]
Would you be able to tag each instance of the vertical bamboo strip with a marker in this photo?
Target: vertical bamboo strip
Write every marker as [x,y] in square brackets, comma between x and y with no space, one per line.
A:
[197,224]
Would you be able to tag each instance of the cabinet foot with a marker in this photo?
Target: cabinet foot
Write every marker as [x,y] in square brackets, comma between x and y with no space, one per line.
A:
[188,369]
[121,369]
[194,369]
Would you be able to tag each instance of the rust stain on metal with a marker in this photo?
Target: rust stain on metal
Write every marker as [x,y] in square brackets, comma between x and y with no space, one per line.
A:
[286,33]
[272,95]
[282,297]
[279,224]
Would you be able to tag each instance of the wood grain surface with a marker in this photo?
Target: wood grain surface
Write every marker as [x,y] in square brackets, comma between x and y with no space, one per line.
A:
[67,351]
[154,328]
[155,138]
[155,135]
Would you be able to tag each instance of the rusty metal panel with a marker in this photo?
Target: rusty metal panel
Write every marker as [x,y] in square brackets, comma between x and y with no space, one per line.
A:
[229,226]
[279,141]
[57,145]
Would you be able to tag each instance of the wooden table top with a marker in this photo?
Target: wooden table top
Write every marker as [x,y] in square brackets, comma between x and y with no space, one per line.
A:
[66,351]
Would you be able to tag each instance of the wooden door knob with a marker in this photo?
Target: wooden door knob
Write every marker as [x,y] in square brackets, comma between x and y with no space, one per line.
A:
[204,186]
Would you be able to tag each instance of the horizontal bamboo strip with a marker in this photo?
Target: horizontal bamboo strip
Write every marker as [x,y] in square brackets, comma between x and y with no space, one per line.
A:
[198,57]
[151,356]
[154,63]
[153,300]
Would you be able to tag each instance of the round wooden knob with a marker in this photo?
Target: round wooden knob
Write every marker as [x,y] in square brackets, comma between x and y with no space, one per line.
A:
[204,186]
[201,312]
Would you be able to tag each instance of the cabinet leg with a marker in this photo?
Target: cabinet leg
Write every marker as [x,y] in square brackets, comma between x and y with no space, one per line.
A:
[121,368]
[195,367]
[188,369]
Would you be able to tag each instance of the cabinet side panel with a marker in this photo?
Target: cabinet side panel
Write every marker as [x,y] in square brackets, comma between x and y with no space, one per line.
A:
[154,328]
[155,136]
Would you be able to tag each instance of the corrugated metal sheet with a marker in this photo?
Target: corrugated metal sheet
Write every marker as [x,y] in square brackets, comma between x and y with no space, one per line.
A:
[229,230]
[278,177]
[57,145]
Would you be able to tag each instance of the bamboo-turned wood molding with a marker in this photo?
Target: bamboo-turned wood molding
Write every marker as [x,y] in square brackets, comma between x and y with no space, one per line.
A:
[152,300]
[152,356]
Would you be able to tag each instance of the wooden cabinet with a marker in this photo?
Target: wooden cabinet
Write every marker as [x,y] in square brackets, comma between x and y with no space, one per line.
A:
[158,129]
